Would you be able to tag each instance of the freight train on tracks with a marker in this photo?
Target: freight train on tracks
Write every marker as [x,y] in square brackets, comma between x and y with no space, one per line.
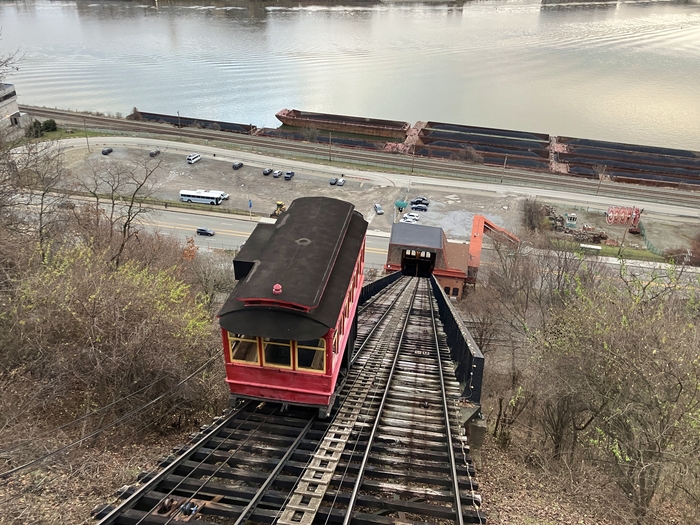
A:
[289,322]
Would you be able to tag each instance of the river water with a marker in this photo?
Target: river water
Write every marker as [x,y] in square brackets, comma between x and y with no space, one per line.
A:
[621,71]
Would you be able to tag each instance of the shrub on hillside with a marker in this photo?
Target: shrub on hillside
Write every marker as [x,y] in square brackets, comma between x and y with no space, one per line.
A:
[97,334]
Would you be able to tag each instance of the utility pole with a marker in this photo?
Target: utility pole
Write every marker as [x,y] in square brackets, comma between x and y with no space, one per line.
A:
[600,176]
[178,124]
[330,143]
[86,137]
[504,168]
[413,157]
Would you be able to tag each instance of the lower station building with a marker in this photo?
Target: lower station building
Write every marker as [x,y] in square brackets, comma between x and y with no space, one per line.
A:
[423,251]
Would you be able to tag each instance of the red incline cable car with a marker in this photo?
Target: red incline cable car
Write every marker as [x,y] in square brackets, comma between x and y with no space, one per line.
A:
[291,318]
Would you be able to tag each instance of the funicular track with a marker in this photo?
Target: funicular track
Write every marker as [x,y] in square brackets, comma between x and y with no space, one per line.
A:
[391,452]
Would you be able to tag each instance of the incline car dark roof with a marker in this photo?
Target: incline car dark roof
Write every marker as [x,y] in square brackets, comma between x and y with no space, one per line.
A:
[311,252]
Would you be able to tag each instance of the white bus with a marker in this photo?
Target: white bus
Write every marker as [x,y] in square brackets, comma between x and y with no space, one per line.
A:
[201,196]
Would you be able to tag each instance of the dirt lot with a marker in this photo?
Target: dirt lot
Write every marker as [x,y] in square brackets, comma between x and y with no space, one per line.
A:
[451,210]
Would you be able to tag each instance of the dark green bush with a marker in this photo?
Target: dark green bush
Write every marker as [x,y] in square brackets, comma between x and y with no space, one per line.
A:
[49,125]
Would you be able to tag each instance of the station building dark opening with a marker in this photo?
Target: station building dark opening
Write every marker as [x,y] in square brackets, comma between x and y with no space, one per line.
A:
[417,263]
[422,251]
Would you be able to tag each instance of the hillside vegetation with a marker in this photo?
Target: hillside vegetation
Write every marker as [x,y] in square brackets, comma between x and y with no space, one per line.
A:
[592,385]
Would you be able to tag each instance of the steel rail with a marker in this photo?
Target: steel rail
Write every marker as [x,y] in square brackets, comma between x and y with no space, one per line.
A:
[204,483]
[303,503]
[131,500]
[370,439]
[378,322]
[275,472]
[445,408]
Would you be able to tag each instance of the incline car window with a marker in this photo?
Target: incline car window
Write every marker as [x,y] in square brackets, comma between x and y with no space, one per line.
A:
[243,348]
[277,352]
[311,355]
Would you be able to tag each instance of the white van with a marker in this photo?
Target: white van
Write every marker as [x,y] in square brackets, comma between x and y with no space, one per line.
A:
[224,195]
[191,159]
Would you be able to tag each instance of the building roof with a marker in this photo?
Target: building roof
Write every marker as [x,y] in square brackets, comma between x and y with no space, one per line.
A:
[405,234]
[311,252]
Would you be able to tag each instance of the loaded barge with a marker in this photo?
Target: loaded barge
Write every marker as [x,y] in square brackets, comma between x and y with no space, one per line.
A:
[342,123]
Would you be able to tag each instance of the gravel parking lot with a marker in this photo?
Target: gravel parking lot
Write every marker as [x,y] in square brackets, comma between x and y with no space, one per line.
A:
[451,210]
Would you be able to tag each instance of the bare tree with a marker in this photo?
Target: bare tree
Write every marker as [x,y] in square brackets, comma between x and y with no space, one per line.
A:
[214,274]
[42,178]
[119,190]
[627,365]
[9,62]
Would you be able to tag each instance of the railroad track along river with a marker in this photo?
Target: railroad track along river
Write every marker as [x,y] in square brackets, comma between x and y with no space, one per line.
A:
[393,162]
[392,450]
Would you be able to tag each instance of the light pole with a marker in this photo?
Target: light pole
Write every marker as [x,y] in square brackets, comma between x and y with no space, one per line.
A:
[330,143]
[178,124]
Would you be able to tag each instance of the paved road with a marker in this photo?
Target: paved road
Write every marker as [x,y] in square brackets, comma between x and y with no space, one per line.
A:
[231,232]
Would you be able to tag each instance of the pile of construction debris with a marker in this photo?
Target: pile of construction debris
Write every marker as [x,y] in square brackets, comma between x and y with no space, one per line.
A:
[567,224]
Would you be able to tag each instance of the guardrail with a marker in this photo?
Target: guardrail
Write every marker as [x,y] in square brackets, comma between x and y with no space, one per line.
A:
[373,288]
[463,349]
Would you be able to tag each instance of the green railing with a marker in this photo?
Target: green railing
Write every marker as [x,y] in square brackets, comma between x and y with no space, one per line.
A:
[653,249]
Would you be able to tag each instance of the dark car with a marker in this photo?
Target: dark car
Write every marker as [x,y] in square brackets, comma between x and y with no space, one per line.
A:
[107,151]
[205,231]
[419,207]
[333,181]
[288,175]
[267,171]
[237,165]
[154,152]
[420,200]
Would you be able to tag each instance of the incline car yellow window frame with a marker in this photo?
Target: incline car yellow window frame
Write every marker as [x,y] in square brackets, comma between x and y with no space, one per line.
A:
[236,345]
[319,359]
[267,341]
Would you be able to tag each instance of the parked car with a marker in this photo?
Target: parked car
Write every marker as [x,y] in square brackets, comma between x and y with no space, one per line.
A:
[267,171]
[341,182]
[154,152]
[378,209]
[413,216]
[237,165]
[194,157]
[205,231]
[333,181]
[277,173]
[420,200]
[107,151]
[419,207]
[408,220]
[288,175]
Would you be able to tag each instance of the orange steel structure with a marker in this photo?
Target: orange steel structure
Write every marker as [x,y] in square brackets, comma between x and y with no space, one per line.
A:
[481,226]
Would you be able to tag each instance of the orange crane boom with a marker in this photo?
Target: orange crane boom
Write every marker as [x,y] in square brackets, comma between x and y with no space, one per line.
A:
[481,226]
